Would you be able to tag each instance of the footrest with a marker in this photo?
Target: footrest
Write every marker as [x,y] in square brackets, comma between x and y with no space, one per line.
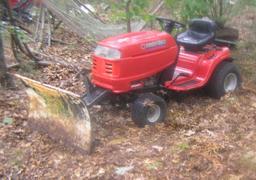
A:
[188,83]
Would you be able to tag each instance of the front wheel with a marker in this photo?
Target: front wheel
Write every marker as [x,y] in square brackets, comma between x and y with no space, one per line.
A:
[148,109]
[225,79]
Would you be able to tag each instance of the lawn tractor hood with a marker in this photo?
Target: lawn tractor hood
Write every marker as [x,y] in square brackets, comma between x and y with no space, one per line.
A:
[119,62]
[138,43]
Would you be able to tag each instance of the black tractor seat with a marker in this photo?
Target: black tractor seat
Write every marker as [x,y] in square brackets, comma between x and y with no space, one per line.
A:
[200,33]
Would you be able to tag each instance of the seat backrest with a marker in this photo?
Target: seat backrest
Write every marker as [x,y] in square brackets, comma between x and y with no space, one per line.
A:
[202,26]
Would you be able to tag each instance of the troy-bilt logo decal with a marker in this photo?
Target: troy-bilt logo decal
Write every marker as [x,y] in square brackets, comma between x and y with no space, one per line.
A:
[155,44]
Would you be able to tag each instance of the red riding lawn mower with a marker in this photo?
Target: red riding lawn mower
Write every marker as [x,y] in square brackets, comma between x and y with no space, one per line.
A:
[138,67]
[142,63]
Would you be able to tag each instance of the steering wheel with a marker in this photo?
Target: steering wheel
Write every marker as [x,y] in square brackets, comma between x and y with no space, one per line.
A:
[168,24]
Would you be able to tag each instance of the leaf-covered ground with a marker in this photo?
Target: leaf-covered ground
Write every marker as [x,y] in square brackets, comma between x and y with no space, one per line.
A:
[202,138]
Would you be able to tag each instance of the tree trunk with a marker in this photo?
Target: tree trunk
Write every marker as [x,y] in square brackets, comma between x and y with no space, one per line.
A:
[128,15]
[221,8]
[5,79]
[3,68]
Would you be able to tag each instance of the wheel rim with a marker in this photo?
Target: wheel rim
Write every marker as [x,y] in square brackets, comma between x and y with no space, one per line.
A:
[153,113]
[230,82]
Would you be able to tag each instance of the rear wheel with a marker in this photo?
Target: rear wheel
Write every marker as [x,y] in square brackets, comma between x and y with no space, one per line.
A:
[148,109]
[225,79]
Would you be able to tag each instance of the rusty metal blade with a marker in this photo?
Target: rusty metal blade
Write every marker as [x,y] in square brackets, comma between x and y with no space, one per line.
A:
[59,113]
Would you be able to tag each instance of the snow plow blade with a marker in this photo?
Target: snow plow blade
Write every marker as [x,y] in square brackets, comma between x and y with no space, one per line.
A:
[59,113]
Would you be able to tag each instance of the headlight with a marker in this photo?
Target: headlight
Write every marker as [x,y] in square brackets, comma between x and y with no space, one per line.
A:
[108,53]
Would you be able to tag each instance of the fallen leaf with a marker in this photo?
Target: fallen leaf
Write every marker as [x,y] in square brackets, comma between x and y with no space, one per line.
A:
[190,133]
[117,141]
[235,177]
[158,148]
[123,170]
[254,105]
[101,172]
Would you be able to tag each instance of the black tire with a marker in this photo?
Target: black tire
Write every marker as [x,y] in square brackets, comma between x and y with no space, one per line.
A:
[148,109]
[216,86]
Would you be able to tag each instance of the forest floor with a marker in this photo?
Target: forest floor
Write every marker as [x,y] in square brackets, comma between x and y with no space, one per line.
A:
[202,138]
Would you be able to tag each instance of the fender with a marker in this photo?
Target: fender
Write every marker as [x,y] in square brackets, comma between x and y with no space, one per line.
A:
[198,67]
[209,65]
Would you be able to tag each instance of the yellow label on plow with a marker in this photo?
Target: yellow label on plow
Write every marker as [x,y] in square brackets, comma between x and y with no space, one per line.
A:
[59,113]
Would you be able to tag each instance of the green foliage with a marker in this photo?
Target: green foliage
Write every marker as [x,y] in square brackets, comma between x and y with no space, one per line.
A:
[189,8]
[29,67]
[137,10]
[241,4]
[183,146]
[153,165]
[21,34]
[247,2]
[7,121]
[1,27]
[218,10]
